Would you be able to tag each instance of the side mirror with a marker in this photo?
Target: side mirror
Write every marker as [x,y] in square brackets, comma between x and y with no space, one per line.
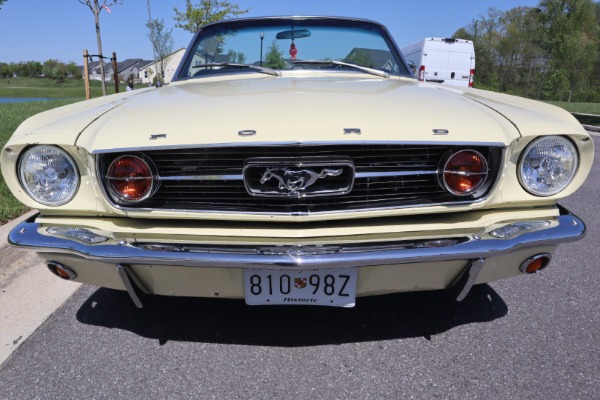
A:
[412,66]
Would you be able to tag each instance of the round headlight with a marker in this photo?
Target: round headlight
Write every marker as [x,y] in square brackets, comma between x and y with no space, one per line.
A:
[548,165]
[48,175]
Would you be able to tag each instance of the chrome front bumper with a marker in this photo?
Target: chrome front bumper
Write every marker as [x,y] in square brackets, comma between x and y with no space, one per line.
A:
[568,228]
[473,248]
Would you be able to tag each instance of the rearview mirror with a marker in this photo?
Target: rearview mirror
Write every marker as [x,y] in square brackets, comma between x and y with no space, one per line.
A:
[293,34]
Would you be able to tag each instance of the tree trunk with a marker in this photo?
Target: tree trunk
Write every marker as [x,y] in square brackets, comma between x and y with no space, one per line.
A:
[570,94]
[96,11]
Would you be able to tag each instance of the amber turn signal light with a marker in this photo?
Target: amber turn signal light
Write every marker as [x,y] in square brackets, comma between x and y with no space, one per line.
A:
[130,179]
[535,263]
[60,270]
[465,172]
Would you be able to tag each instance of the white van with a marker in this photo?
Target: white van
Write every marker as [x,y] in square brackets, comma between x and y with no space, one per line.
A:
[447,61]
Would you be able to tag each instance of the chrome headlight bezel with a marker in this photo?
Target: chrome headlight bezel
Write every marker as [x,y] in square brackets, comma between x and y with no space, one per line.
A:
[42,181]
[548,165]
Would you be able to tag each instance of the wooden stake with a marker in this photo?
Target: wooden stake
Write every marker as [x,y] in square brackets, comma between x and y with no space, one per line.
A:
[86,75]
[115,72]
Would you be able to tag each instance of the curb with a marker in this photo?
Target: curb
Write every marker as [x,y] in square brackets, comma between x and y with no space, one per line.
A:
[8,268]
[591,128]
[29,294]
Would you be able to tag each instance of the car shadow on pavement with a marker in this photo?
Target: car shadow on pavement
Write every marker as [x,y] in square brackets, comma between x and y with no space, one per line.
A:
[397,316]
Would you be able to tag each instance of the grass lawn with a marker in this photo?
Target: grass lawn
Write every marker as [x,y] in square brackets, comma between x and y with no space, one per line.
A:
[583,108]
[592,111]
[42,87]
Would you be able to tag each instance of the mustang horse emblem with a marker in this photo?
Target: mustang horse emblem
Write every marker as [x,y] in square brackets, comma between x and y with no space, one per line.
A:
[294,181]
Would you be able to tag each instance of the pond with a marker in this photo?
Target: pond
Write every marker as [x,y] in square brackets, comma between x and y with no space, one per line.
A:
[26,99]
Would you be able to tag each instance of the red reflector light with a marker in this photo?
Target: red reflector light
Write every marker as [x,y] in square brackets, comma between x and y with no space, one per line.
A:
[130,178]
[422,73]
[471,77]
[465,172]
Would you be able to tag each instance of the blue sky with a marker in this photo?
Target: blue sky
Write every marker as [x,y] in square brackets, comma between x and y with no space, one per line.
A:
[43,29]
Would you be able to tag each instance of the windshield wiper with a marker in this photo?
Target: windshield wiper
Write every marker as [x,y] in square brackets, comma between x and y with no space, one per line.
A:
[368,70]
[257,68]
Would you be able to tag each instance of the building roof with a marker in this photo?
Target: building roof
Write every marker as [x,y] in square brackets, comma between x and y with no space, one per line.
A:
[125,64]
[376,58]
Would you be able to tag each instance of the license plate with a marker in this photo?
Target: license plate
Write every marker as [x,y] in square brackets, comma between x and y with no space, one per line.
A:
[325,287]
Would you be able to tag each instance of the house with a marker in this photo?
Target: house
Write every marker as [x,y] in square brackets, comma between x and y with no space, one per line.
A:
[125,69]
[94,70]
[142,71]
[129,68]
[171,62]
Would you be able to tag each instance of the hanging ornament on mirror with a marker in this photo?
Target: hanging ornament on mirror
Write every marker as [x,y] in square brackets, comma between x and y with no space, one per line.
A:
[293,50]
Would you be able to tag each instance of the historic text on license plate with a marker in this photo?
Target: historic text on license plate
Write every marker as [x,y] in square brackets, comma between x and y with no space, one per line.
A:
[324,287]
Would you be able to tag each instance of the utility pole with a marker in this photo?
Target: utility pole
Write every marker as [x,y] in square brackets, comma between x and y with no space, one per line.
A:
[96,11]
[151,30]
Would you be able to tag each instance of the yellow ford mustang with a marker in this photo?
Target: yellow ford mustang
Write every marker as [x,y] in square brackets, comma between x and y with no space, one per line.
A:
[296,160]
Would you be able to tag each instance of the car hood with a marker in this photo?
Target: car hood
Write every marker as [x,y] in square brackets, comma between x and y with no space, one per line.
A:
[296,109]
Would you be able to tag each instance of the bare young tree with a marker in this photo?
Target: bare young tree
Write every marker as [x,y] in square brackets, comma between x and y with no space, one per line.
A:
[96,7]
[162,42]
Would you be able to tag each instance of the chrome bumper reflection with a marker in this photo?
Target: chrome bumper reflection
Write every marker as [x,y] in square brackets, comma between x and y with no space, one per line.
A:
[565,228]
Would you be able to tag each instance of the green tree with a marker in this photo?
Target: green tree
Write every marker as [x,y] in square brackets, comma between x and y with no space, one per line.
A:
[550,51]
[205,12]
[236,57]
[485,33]
[274,58]
[55,70]
[576,56]
[96,7]
[2,3]
[30,69]
[73,71]
[519,54]
[48,67]
[6,70]
[571,39]
[358,57]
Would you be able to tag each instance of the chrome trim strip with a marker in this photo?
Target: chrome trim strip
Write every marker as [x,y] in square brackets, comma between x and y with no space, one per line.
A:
[295,143]
[394,173]
[236,177]
[569,228]
[361,211]
[232,177]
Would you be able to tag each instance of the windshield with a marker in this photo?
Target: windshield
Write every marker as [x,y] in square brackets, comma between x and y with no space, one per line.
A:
[283,44]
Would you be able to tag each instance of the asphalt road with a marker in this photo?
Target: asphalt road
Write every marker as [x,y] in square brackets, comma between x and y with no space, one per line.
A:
[534,337]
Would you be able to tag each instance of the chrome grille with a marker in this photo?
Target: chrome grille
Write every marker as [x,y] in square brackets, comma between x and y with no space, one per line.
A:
[387,176]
